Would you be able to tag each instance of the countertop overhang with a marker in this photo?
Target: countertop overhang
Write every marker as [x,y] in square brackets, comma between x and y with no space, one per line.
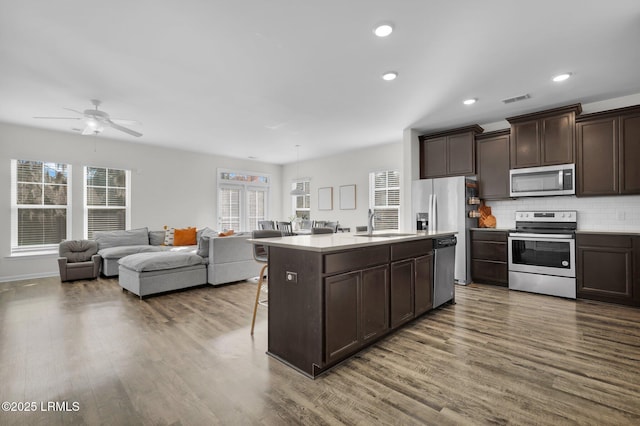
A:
[325,243]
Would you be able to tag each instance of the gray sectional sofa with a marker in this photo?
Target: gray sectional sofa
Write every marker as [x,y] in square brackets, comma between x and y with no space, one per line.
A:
[145,266]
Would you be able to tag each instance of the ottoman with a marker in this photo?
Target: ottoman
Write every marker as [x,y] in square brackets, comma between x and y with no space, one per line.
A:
[156,272]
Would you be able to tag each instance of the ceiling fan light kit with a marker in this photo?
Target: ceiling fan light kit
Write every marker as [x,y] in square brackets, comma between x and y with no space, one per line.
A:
[96,120]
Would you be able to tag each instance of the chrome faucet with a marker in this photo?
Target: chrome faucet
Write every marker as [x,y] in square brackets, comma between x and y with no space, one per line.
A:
[370,222]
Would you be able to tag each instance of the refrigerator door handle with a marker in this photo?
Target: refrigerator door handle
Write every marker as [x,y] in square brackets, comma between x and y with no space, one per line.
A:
[433,216]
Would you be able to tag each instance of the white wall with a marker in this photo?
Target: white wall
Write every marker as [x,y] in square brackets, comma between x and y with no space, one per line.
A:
[168,187]
[352,167]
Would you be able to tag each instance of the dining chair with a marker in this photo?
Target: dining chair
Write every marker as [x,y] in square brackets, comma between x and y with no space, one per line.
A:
[266,224]
[332,225]
[321,230]
[286,228]
[261,255]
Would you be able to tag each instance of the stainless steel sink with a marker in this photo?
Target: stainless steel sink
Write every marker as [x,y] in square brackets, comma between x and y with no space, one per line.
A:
[390,234]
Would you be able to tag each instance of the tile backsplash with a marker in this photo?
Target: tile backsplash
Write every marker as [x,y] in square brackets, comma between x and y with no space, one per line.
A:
[616,213]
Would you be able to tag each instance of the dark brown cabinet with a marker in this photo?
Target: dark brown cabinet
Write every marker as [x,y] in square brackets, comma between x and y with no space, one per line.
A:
[402,292]
[374,313]
[544,138]
[391,286]
[356,310]
[492,164]
[608,152]
[411,280]
[450,153]
[489,257]
[606,268]
[423,286]
[342,301]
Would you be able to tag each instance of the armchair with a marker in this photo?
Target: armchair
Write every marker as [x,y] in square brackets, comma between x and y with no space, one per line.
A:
[78,260]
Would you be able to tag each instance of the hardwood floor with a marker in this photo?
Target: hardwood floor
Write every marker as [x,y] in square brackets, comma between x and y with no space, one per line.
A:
[496,357]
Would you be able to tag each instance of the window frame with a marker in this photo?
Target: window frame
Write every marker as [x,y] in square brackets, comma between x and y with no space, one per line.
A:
[87,208]
[245,187]
[40,249]
[387,207]
[294,199]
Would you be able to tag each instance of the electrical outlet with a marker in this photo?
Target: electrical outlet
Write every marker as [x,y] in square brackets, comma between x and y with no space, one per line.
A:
[291,277]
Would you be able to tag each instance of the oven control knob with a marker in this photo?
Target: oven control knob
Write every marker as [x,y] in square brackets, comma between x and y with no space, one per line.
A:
[565,263]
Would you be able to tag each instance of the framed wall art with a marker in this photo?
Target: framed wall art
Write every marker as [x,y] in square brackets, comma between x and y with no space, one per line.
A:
[347,197]
[325,198]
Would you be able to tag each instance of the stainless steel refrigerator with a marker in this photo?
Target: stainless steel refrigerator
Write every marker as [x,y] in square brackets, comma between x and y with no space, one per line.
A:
[447,201]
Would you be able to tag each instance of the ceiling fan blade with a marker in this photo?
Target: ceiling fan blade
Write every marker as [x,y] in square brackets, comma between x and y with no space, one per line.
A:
[125,121]
[73,110]
[60,118]
[123,129]
[88,130]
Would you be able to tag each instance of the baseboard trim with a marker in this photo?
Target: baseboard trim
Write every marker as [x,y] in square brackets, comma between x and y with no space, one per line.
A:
[28,276]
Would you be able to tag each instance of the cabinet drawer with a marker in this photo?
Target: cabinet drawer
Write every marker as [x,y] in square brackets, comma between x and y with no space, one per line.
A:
[489,250]
[489,236]
[604,240]
[487,271]
[411,249]
[355,259]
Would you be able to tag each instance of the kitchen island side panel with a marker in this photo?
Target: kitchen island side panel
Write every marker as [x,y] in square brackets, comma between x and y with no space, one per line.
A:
[295,308]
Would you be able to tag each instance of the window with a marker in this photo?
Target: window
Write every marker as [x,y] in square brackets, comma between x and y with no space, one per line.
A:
[106,195]
[243,198]
[40,205]
[229,207]
[302,203]
[384,198]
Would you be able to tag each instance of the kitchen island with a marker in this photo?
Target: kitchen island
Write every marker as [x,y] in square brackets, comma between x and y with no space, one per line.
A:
[330,295]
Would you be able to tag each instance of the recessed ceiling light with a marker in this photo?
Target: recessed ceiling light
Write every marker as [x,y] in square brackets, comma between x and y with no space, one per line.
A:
[469,101]
[388,76]
[561,77]
[383,30]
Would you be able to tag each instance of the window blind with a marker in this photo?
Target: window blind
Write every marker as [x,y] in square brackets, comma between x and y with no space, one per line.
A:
[106,199]
[302,203]
[257,207]
[39,205]
[243,199]
[384,198]
[229,207]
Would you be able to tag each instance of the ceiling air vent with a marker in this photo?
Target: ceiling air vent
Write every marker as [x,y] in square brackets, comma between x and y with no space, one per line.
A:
[516,98]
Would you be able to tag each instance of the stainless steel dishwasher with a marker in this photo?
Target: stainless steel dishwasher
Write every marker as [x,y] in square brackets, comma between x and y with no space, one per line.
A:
[443,271]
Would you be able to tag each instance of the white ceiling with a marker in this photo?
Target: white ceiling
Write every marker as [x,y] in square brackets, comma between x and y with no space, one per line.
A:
[256,77]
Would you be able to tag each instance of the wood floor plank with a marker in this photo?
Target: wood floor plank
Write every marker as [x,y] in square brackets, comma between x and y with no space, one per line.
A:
[495,357]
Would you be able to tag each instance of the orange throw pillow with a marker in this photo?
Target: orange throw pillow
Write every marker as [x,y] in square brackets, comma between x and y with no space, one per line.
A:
[185,237]
[226,233]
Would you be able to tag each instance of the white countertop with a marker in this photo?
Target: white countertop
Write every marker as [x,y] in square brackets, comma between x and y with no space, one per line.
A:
[342,241]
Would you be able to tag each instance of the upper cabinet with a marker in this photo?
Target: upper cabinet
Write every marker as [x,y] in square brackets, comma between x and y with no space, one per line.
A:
[608,152]
[544,138]
[450,153]
[492,151]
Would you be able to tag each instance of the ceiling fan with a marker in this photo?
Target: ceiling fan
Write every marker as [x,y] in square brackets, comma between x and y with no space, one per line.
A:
[96,120]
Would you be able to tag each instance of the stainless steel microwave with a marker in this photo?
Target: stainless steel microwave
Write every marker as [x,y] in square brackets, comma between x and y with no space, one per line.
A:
[543,181]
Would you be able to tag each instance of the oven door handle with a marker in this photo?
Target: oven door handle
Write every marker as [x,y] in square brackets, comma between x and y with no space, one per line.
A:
[541,237]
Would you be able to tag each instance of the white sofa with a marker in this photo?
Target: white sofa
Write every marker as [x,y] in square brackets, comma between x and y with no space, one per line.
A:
[223,260]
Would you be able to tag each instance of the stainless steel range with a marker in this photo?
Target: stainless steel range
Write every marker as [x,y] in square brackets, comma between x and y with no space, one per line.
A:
[542,253]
